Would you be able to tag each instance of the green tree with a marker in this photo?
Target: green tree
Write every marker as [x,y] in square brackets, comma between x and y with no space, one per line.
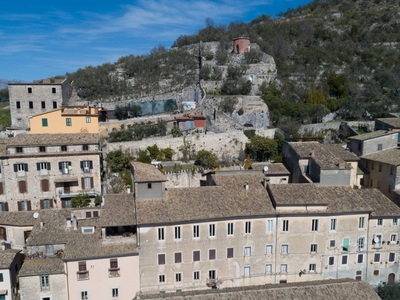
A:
[80,200]
[389,291]
[143,156]
[316,96]
[175,131]
[118,161]
[338,85]
[4,95]
[261,148]
[207,159]
[155,152]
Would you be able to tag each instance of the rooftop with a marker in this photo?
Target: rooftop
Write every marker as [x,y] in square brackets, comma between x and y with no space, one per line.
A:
[119,210]
[41,82]
[51,139]
[333,289]
[389,156]
[273,168]
[393,122]
[325,155]
[7,257]
[146,172]
[42,266]
[371,135]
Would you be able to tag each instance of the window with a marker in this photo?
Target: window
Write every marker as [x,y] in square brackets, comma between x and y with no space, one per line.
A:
[345,244]
[84,295]
[114,293]
[88,119]
[44,282]
[95,214]
[285,225]
[312,268]
[247,227]
[360,244]
[43,104]
[178,257]
[85,147]
[160,234]
[68,121]
[331,261]
[22,186]
[380,167]
[196,255]
[344,259]
[196,275]
[314,248]
[161,278]
[87,183]
[82,266]
[44,122]
[211,254]
[377,257]
[360,258]
[177,234]
[87,165]
[376,272]
[64,148]
[379,184]
[393,238]
[247,271]
[212,230]
[3,206]
[379,147]
[31,104]
[268,249]
[18,104]
[149,186]
[270,225]
[268,268]
[361,223]
[54,104]
[394,222]
[285,249]
[314,225]
[371,183]
[392,256]
[212,274]
[379,222]
[46,203]
[377,241]
[283,268]
[178,277]
[19,150]
[1,277]
[196,231]
[230,228]
[53,90]
[42,149]
[229,253]
[332,243]
[247,251]
[114,263]
[333,224]
[161,259]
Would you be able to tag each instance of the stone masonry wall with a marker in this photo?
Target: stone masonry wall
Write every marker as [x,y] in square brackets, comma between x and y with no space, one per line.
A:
[30,288]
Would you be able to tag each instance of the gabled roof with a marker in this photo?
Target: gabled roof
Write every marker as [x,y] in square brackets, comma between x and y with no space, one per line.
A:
[393,122]
[50,139]
[7,257]
[371,135]
[389,156]
[42,266]
[146,172]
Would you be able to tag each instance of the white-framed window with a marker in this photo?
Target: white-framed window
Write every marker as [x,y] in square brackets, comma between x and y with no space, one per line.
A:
[377,241]
[285,225]
[361,244]
[314,225]
[196,231]
[268,268]
[114,293]
[88,120]
[392,257]
[20,167]
[230,228]
[178,277]
[379,222]
[331,260]
[285,249]
[247,227]
[314,248]
[332,243]
[247,251]
[268,249]
[345,259]
[43,166]
[212,274]
[161,235]
[84,295]
[177,232]
[196,275]
[360,222]
[312,268]
[333,225]
[211,230]
[87,183]
[247,271]
[394,222]
[393,238]
[44,282]
[377,257]
[270,225]
[360,258]
[161,278]
[283,268]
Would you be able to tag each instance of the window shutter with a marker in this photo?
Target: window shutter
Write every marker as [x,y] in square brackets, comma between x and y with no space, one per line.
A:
[19,206]
[6,206]
[45,185]
[161,259]
[15,168]
[26,168]
[51,203]
[41,204]
[59,165]
[83,183]
[69,163]
[29,205]
[91,164]
[38,166]
[91,183]
[81,164]
[48,166]
[62,204]
[1,188]
[22,186]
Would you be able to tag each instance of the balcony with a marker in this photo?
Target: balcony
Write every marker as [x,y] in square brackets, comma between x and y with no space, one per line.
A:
[212,282]
[113,272]
[82,275]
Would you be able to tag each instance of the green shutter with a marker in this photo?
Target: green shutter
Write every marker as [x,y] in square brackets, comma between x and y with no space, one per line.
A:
[44,122]
[345,245]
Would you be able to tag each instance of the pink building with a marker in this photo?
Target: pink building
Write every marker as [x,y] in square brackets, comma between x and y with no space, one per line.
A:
[241,45]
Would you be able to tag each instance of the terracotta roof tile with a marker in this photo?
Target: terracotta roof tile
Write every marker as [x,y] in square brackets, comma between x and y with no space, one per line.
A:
[52,139]
[146,172]
[390,156]
[42,266]
[7,257]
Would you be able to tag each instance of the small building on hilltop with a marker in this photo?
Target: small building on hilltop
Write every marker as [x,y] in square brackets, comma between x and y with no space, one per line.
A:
[241,45]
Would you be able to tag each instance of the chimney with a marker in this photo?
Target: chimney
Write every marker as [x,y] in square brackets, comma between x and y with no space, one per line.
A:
[41,225]
[246,186]
[68,222]
[75,223]
[103,233]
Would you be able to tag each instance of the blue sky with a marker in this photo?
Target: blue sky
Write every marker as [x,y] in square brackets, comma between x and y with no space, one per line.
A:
[39,39]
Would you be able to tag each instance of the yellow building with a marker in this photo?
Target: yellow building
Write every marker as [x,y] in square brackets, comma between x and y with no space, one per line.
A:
[69,119]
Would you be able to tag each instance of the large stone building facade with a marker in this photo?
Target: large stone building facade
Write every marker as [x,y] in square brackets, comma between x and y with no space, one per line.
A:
[29,99]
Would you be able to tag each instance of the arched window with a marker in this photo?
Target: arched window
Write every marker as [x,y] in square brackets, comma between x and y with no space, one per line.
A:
[237,49]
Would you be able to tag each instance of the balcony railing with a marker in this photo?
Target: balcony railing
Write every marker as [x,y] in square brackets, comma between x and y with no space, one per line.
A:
[83,275]
[113,272]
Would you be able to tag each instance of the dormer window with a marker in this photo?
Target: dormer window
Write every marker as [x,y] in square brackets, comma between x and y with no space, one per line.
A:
[19,149]
[88,230]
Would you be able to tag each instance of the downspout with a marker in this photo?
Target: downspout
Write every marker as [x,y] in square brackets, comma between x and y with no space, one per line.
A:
[276,244]
[367,251]
[66,273]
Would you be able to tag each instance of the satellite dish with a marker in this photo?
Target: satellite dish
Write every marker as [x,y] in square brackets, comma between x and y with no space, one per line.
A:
[266,169]
[35,215]
[376,240]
